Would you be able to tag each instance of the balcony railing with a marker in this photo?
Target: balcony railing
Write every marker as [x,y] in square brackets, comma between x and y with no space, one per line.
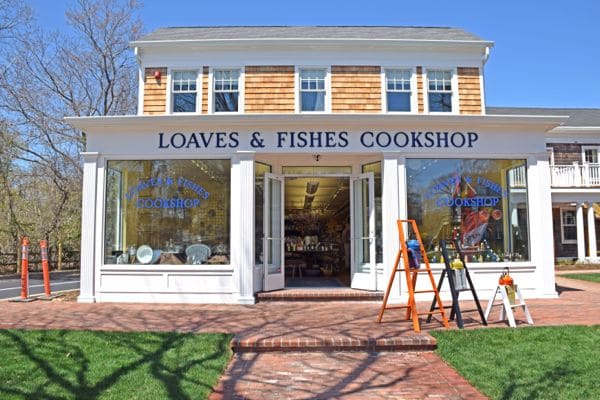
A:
[585,175]
[517,177]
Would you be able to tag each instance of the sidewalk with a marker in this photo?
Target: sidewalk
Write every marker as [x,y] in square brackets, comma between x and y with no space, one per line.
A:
[308,375]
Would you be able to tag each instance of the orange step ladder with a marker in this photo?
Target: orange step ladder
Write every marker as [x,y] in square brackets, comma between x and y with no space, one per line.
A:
[411,279]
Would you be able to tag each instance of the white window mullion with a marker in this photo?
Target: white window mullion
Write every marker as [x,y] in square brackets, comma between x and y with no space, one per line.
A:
[398,90]
[184,91]
[314,84]
[226,90]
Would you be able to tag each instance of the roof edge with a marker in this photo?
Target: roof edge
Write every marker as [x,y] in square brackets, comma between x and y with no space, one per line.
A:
[216,42]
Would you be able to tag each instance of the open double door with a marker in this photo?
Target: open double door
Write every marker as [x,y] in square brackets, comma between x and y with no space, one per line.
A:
[362,225]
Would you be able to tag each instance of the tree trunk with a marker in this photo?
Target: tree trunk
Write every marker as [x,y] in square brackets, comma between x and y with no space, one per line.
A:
[18,258]
[60,257]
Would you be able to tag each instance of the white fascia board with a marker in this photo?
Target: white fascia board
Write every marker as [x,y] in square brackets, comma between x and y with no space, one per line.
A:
[569,130]
[429,122]
[359,44]
[573,134]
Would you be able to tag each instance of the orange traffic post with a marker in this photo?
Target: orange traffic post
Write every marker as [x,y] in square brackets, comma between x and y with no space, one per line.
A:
[45,271]
[24,271]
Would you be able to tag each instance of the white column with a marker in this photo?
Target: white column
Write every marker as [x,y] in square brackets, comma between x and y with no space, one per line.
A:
[88,227]
[245,226]
[580,233]
[389,214]
[540,224]
[591,220]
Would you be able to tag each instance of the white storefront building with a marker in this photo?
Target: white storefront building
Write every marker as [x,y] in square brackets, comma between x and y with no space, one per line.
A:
[265,156]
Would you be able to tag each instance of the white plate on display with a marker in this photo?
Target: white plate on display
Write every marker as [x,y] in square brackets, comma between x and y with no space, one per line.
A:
[144,254]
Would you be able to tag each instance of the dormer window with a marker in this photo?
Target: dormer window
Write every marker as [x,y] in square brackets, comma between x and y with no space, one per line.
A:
[312,89]
[226,90]
[185,91]
[439,90]
[590,154]
[398,90]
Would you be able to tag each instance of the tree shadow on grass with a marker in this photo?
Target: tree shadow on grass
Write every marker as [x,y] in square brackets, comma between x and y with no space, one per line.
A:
[57,366]
[545,385]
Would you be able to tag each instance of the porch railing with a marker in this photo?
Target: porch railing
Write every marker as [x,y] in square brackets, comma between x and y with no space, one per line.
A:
[576,175]
[517,177]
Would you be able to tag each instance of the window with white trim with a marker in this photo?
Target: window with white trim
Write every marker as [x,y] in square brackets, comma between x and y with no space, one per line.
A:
[226,90]
[568,226]
[185,91]
[312,89]
[590,155]
[398,90]
[439,90]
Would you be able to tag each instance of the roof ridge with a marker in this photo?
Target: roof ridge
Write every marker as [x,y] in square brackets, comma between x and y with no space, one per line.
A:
[309,26]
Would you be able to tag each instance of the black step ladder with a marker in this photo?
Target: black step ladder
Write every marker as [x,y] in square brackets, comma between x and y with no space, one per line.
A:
[447,271]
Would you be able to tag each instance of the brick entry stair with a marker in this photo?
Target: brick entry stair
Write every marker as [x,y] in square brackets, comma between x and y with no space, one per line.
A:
[322,294]
[327,340]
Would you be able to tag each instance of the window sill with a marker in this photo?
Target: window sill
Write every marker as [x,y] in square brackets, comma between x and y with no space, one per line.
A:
[166,268]
[400,112]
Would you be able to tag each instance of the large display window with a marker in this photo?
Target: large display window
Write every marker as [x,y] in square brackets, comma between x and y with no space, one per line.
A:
[480,203]
[167,212]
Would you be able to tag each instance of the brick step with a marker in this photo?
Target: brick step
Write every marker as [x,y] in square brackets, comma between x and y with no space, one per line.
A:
[412,342]
[329,294]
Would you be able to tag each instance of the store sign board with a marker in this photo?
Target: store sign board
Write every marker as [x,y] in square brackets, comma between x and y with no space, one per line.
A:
[318,140]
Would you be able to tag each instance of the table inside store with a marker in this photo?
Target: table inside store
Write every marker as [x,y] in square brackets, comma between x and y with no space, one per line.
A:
[312,258]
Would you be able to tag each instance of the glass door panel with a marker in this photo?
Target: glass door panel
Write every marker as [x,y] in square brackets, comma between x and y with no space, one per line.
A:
[363,232]
[273,233]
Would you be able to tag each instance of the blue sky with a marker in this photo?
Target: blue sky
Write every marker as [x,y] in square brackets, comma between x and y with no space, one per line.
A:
[546,53]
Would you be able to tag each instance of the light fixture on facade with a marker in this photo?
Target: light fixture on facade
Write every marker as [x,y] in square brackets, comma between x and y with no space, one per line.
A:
[311,187]
[316,157]
[157,74]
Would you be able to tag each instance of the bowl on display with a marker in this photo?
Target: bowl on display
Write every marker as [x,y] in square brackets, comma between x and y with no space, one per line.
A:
[155,256]
[145,254]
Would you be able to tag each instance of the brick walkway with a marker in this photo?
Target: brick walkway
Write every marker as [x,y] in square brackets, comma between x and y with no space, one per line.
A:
[342,375]
[306,375]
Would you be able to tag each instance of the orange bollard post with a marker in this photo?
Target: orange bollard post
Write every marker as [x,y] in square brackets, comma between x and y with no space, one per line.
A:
[45,271]
[24,271]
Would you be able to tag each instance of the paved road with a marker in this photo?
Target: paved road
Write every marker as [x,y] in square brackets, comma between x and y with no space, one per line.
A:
[10,285]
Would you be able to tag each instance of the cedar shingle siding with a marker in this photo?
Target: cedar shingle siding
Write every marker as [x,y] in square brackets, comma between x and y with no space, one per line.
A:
[269,89]
[469,90]
[155,91]
[355,89]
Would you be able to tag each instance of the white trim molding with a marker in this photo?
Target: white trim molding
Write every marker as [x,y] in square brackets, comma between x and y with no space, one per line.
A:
[88,225]
[298,99]
[414,93]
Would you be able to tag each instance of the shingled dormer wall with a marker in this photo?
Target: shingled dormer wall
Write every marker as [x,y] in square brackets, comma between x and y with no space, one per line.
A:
[469,90]
[269,89]
[155,91]
[354,89]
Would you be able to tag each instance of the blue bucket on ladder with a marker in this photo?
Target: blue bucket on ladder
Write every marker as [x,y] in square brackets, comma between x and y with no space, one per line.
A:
[414,253]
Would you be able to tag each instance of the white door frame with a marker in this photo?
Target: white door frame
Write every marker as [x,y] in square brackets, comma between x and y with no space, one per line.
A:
[366,280]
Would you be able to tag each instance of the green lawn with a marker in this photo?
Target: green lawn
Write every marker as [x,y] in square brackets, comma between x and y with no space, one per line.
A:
[584,277]
[57,364]
[527,362]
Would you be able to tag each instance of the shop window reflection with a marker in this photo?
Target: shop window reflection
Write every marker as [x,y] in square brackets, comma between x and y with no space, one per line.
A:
[167,212]
[482,203]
